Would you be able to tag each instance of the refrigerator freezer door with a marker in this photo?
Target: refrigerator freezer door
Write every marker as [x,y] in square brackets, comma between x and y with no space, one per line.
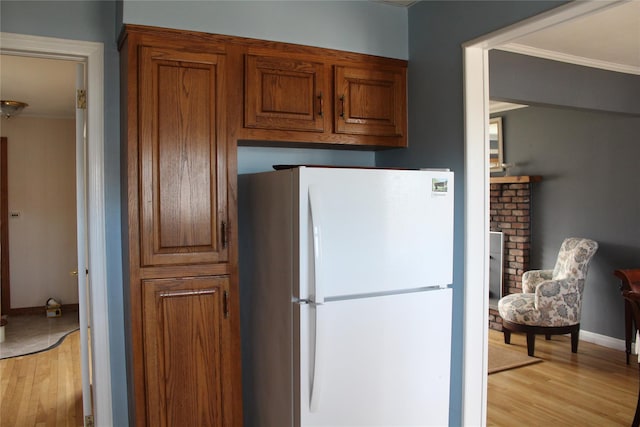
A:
[375,230]
[380,361]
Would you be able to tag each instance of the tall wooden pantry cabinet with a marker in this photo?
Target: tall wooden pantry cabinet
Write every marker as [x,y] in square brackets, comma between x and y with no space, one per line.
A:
[182,304]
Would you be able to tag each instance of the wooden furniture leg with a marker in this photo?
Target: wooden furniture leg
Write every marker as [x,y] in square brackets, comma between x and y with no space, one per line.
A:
[531,343]
[507,335]
[628,329]
[575,336]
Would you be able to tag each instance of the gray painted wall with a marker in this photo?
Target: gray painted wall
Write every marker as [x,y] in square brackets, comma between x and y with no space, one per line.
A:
[514,77]
[357,26]
[589,164]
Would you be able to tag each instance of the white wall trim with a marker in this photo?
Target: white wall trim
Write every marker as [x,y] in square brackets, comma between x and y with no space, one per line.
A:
[476,217]
[92,54]
[570,59]
[476,111]
[603,340]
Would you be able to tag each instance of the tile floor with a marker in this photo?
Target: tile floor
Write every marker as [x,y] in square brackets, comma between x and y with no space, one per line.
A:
[26,334]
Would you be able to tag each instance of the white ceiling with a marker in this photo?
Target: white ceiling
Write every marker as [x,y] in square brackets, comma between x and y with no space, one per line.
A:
[608,39]
[47,85]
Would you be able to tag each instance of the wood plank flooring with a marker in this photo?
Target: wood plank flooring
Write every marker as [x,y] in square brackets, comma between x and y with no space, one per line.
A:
[43,389]
[594,387]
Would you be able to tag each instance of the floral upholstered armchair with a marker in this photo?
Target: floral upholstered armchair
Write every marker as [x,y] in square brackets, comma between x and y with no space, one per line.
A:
[551,300]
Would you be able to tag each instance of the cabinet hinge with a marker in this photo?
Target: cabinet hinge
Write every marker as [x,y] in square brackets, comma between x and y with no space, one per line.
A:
[88,421]
[81,99]
[226,304]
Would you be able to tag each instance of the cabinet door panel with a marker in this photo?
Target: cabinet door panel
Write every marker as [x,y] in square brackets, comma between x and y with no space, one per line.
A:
[370,102]
[185,339]
[284,93]
[182,184]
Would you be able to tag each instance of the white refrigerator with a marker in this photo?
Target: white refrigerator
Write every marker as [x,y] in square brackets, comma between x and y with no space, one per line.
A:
[346,299]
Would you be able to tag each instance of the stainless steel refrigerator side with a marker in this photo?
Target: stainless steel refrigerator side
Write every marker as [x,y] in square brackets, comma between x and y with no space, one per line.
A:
[266,279]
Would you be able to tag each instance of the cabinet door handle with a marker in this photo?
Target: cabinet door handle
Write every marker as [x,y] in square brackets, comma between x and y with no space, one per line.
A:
[223,232]
[226,304]
[321,99]
[342,106]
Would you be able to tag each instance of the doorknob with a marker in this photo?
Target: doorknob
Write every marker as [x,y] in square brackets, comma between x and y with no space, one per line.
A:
[73,273]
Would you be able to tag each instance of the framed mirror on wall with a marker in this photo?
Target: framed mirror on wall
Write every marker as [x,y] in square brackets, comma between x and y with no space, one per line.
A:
[496,157]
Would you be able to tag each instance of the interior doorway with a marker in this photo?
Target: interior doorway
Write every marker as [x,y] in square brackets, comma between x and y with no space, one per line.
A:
[91,54]
[38,185]
[476,109]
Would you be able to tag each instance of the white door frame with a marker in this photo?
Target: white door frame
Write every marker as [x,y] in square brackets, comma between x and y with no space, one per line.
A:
[92,54]
[476,282]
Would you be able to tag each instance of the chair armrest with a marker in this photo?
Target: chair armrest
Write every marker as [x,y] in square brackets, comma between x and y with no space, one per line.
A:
[630,279]
[631,295]
[560,301]
[532,278]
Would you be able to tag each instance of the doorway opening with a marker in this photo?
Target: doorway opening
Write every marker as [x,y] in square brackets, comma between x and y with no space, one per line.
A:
[476,109]
[91,54]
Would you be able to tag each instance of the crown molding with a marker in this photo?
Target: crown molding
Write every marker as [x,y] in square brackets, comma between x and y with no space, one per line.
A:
[571,59]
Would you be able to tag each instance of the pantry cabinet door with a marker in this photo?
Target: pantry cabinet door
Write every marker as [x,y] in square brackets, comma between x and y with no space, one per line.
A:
[182,157]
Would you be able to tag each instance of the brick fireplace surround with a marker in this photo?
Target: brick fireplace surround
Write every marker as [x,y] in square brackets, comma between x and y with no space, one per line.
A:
[510,213]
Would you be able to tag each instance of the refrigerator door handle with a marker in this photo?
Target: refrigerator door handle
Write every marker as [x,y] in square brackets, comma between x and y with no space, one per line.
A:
[316,300]
[314,208]
[316,381]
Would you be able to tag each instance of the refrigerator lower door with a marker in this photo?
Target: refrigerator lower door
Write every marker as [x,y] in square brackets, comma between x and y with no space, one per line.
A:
[379,361]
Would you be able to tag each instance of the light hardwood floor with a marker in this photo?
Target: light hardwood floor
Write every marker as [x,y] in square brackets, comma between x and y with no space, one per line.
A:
[594,387]
[43,389]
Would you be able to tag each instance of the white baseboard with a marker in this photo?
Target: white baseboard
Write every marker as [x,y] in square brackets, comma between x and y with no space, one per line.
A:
[603,340]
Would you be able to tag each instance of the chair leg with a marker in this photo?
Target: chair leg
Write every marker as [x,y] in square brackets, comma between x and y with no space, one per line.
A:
[547,337]
[575,335]
[531,343]
[507,335]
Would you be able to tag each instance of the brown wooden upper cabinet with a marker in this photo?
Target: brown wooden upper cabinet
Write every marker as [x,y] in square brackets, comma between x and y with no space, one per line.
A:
[310,95]
[370,101]
[284,93]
